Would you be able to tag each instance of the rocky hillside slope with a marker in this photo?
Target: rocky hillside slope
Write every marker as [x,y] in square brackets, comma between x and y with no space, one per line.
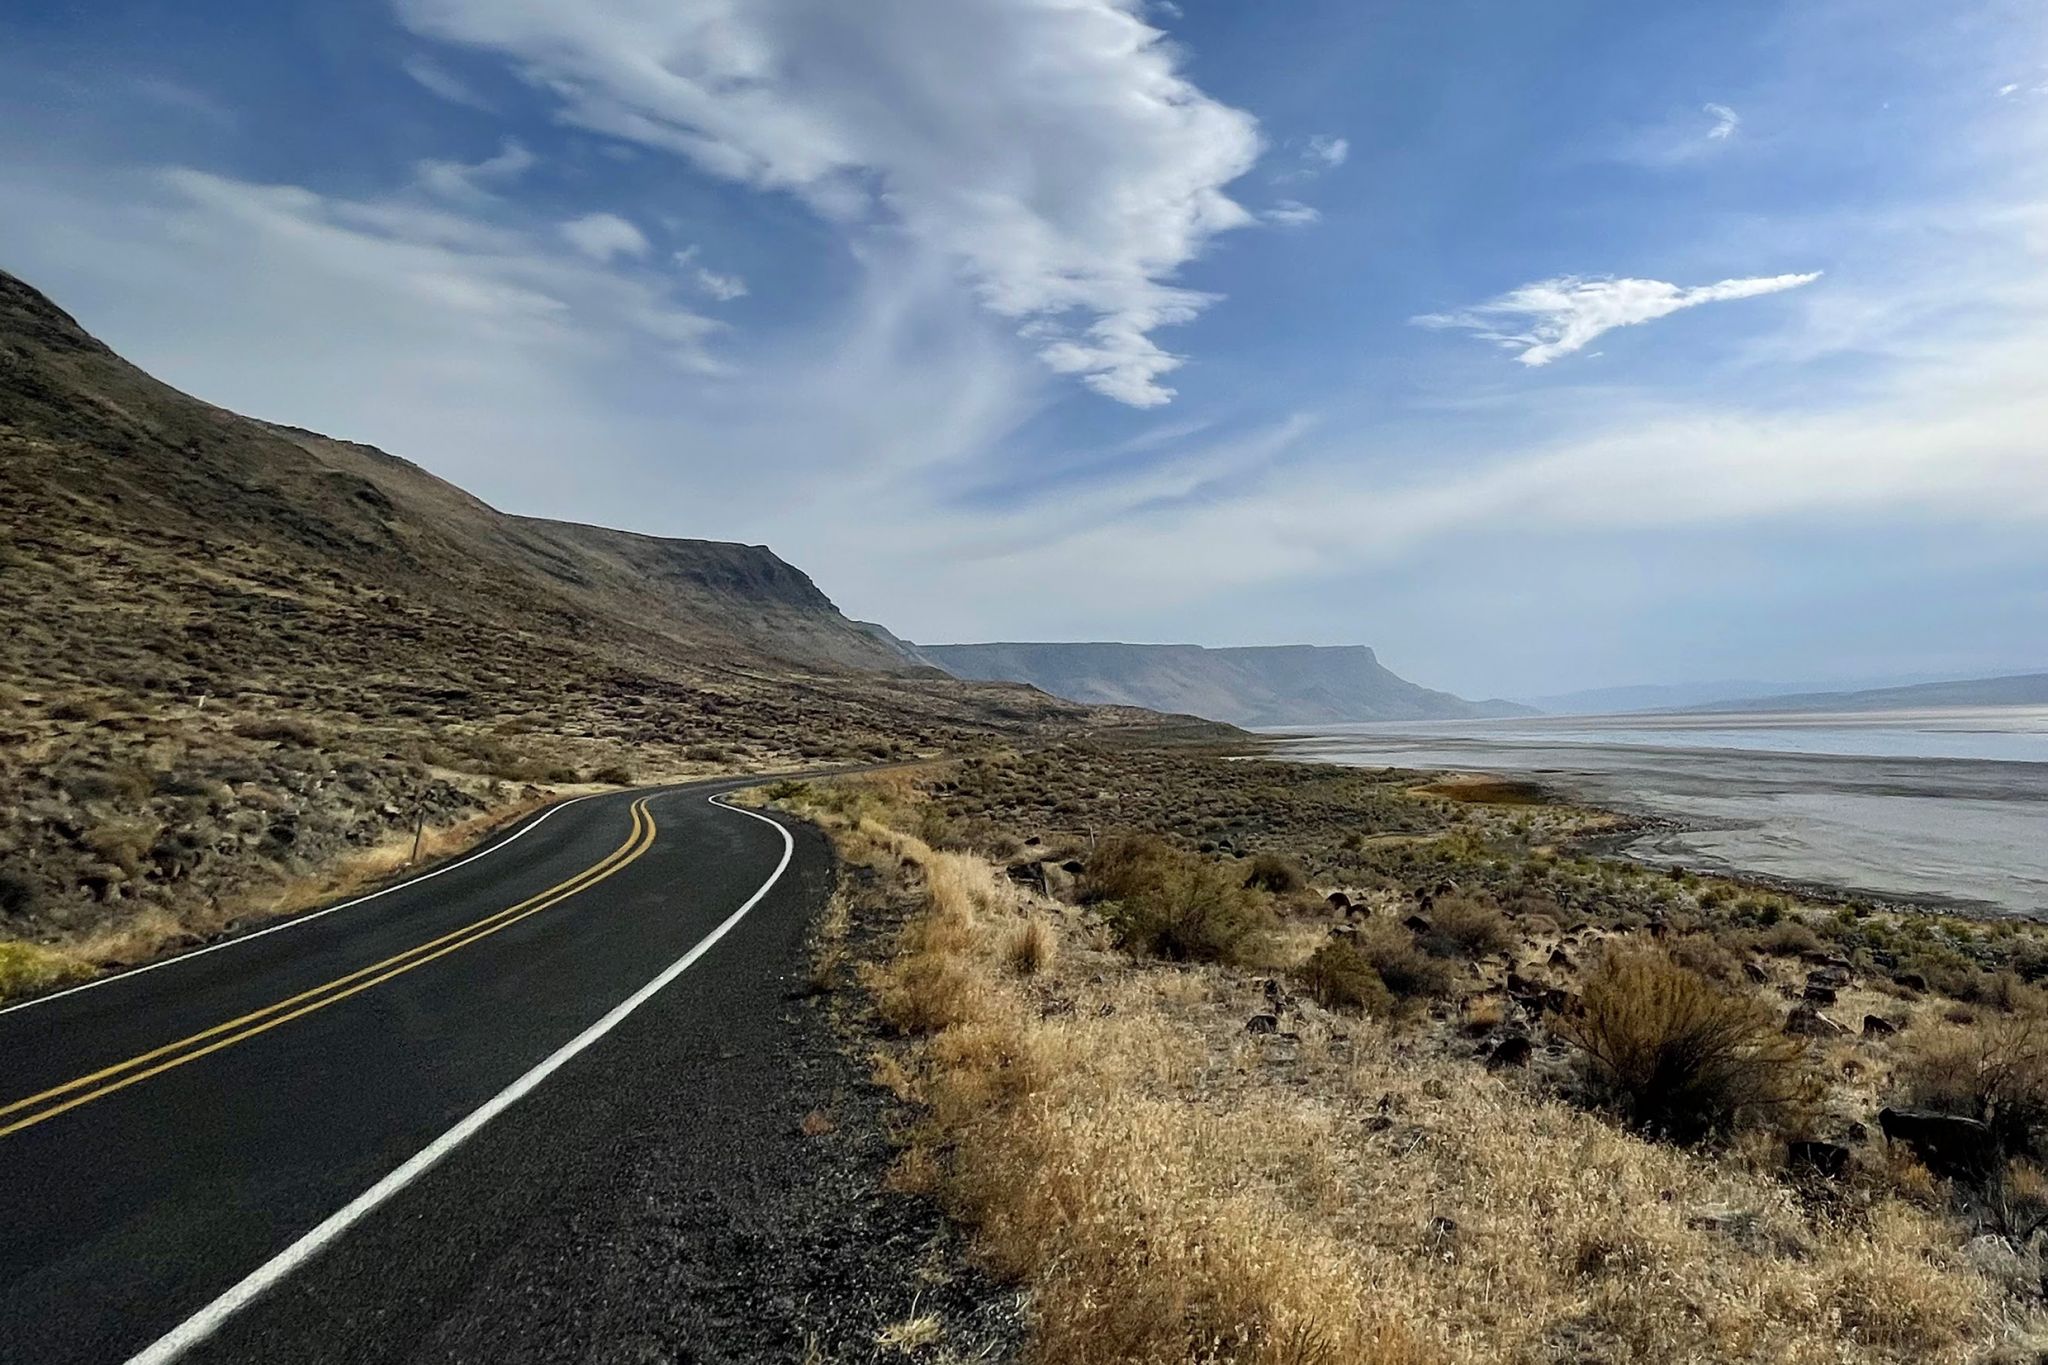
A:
[236,652]
[1279,685]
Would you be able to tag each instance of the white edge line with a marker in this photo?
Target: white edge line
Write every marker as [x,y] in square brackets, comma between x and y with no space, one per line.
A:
[294,921]
[208,1320]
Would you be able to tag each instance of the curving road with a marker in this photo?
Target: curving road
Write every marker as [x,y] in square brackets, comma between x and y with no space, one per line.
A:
[316,1141]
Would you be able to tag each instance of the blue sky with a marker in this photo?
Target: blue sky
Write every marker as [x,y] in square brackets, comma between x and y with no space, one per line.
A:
[1540,345]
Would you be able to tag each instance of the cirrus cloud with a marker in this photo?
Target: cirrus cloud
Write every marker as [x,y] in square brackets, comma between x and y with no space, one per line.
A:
[1553,318]
[1070,180]
[1726,121]
[601,236]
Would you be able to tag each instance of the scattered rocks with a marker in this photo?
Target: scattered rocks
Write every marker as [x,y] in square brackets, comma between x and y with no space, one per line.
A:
[1947,1144]
[1815,994]
[1808,1022]
[1876,1027]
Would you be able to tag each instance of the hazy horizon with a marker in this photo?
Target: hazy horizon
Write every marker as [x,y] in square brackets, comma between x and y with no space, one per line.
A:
[1579,348]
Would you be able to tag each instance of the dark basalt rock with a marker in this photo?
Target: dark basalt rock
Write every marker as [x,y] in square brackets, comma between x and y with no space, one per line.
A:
[1947,1144]
[1511,1052]
[1830,1159]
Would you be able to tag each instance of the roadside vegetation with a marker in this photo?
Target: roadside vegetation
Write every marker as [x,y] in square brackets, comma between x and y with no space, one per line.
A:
[134,822]
[1250,1062]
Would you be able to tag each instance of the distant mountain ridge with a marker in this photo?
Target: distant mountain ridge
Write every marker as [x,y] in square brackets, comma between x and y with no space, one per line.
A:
[2019,689]
[1251,685]
[1609,701]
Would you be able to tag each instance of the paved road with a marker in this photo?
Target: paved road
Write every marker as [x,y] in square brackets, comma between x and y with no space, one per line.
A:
[190,1153]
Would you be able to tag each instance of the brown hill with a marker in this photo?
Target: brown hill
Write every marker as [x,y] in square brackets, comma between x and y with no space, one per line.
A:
[235,651]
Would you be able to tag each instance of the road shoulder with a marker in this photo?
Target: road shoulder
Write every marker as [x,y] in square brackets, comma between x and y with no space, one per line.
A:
[707,1186]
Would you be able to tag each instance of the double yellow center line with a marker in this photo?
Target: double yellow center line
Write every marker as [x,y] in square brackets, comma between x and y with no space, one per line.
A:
[34,1109]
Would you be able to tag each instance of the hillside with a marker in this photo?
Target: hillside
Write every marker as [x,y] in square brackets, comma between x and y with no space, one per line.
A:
[237,653]
[1276,685]
[2020,689]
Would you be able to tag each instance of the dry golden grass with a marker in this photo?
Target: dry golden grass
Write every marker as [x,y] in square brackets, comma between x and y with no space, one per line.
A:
[1031,947]
[26,967]
[1175,1190]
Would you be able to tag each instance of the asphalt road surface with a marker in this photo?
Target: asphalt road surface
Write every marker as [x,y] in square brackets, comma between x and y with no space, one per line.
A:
[316,1142]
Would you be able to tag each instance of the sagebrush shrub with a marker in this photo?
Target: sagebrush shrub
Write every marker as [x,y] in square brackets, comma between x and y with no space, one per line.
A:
[1165,903]
[1125,865]
[1464,928]
[1705,954]
[1275,873]
[1402,966]
[1788,938]
[1681,1056]
[1995,1071]
[1338,977]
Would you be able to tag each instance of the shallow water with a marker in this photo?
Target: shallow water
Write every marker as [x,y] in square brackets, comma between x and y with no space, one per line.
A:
[1947,805]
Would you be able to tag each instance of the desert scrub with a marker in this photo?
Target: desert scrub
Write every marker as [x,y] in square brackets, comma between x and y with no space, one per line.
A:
[1338,977]
[1123,1212]
[1170,1189]
[1161,902]
[1275,873]
[1402,966]
[1467,929]
[1680,1056]
[1995,1071]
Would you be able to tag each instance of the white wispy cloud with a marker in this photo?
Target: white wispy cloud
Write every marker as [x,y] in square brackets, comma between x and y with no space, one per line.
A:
[1292,213]
[1726,121]
[602,236]
[718,284]
[1070,178]
[1326,150]
[474,180]
[438,80]
[1551,318]
[1312,156]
